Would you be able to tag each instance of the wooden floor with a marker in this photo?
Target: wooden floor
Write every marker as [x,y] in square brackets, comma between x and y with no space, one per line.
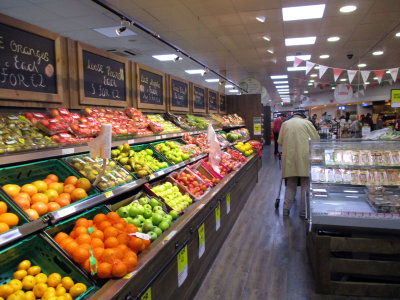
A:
[264,256]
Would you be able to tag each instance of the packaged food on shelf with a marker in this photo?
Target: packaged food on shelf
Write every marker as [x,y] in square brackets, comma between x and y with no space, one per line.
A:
[347,157]
[347,176]
[140,160]
[395,158]
[236,155]
[193,184]
[168,126]
[363,177]
[393,176]
[221,136]
[338,176]
[330,175]
[69,139]
[113,176]
[355,179]
[381,177]
[141,121]
[365,158]
[338,157]
[200,140]
[387,159]
[156,127]
[42,187]
[355,157]
[35,269]
[220,122]
[172,151]
[383,200]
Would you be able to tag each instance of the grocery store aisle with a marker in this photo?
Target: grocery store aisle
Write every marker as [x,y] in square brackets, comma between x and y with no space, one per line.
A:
[264,256]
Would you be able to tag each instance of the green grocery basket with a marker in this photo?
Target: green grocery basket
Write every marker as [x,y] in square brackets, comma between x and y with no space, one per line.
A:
[41,252]
[13,209]
[27,173]
[155,155]
[154,144]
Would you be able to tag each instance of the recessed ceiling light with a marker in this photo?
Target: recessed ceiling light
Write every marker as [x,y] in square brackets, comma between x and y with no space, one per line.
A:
[291,69]
[260,19]
[308,40]
[233,91]
[278,76]
[281,82]
[282,86]
[270,51]
[316,67]
[333,88]
[376,53]
[348,8]
[192,72]
[324,56]
[333,39]
[166,57]
[343,79]
[303,12]
[283,90]
[397,34]
[311,80]
[305,92]
[284,93]
[309,83]
[212,80]
[111,31]
[228,86]
[303,57]
[313,75]
[361,65]
[267,38]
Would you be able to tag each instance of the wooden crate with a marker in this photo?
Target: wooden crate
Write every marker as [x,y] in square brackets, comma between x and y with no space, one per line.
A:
[356,265]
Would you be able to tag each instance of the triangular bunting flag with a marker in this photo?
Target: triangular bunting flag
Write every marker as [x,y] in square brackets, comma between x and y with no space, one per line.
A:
[379,74]
[322,70]
[348,86]
[394,73]
[390,81]
[351,74]
[315,84]
[297,61]
[365,75]
[323,85]
[362,92]
[373,84]
[336,73]
[309,66]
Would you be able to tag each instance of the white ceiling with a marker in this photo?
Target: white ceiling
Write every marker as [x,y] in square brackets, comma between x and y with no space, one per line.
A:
[225,35]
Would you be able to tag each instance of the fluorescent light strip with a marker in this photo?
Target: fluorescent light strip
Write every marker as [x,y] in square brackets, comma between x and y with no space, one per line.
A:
[303,12]
[361,65]
[316,67]
[333,39]
[311,80]
[278,76]
[348,8]
[166,57]
[397,34]
[283,93]
[280,82]
[270,51]
[212,80]
[376,53]
[313,75]
[308,40]
[267,38]
[324,56]
[303,57]
[228,86]
[291,69]
[233,91]
[305,92]
[192,72]
[260,19]
[283,90]
[282,86]
[343,79]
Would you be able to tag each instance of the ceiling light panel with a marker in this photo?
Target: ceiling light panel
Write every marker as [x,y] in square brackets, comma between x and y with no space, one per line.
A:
[267,38]
[324,56]
[284,93]
[281,82]
[303,57]
[291,69]
[282,86]
[278,76]
[165,57]
[397,34]
[303,12]
[305,92]
[307,40]
[316,67]
[212,80]
[313,75]
[348,9]
[270,51]
[361,65]
[260,19]
[192,72]
[228,86]
[333,39]
[233,91]
[376,53]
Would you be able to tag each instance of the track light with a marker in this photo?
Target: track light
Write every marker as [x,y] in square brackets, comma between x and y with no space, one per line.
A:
[221,82]
[122,28]
[177,58]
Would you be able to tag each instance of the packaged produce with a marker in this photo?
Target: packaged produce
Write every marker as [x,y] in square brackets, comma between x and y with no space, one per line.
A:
[355,179]
[202,172]
[377,158]
[355,157]
[338,157]
[330,175]
[338,177]
[329,157]
[228,161]
[223,170]
[381,177]
[365,158]
[236,155]
[347,176]
[69,139]
[242,133]
[180,121]
[199,140]
[393,177]
[395,158]
[156,127]
[196,121]
[347,157]
[363,177]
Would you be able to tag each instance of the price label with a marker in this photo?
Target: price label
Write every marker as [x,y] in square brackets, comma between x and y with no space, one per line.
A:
[202,244]
[228,203]
[67,151]
[109,194]
[164,136]
[131,141]
[182,265]
[158,137]
[66,211]
[151,176]
[170,235]
[147,295]
[160,173]
[218,217]
[127,276]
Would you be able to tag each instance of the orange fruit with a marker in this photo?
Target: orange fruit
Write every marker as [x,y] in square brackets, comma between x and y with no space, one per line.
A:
[52,177]
[11,189]
[82,222]
[33,214]
[71,247]
[62,201]
[72,234]
[66,196]
[97,252]
[10,219]
[85,246]
[40,185]
[47,181]
[130,228]
[51,194]
[68,188]
[108,255]
[29,189]
[78,194]
[58,186]
[3,207]
[53,206]
[80,230]
[146,243]
[65,241]
[123,249]
[96,243]
[40,207]
[83,239]
[103,225]
[113,217]
[22,196]
[71,180]
[96,233]
[24,203]
[83,183]
[60,236]
[111,242]
[40,197]
[119,269]
[130,261]
[80,255]
[110,232]
[99,218]
[86,265]
[135,244]
[4,227]
[123,238]
[104,270]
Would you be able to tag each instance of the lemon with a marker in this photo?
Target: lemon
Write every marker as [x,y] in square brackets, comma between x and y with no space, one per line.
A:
[24,265]
[29,296]
[41,278]
[19,274]
[28,282]
[49,293]
[15,284]
[60,291]
[67,282]
[34,270]
[77,289]
[6,290]
[53,279]
[39,289]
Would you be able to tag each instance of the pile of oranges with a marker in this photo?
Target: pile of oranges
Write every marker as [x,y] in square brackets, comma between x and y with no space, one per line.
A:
[29,283]
[47,195]
[107,238]
[7,220]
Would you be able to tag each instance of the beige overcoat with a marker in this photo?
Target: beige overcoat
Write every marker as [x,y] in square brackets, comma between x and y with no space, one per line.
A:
[293,138]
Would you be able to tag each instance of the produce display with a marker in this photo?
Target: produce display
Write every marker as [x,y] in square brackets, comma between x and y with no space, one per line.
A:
[200,140]
[223,170]
[235,155]
[246,148]
[222,139]
[229,162]
[166,125]
[106,246]
[172,196]
[228,120]
[173,151]
[141,163]
[114,175]
[200,171]
[362,157]
[180,121]
[18,134]
[196,121]
[47,195]
[383,200]
[192,184]
[148,216]
[8,220]
[29,282]
[242,134]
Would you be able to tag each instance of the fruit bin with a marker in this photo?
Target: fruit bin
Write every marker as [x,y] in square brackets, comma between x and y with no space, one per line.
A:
[90,168]
[178,141]
[174,175]
[211,171]
[200,169]
[41,252]
[115,206]
[27,173]
[12,209]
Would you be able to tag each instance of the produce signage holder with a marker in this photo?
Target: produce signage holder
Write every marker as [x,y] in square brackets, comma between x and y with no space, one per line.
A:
[150,87]
[212,97]
[222,104]
[178,94]
[31,62]
[198,98]
[104,78]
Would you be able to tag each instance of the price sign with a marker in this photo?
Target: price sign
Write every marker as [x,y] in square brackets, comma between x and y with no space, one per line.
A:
[182,265]
[202,244]
[228,203]
[147,295]
[218,217]
[109,194]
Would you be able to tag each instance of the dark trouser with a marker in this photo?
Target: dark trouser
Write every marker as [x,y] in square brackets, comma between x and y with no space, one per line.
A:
[276,136]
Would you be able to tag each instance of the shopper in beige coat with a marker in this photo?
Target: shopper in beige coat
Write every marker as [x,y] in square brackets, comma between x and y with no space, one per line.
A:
[294,137]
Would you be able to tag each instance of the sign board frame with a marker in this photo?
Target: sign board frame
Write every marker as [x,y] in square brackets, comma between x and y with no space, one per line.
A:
[208,101]
[170,105]
[219,104]
[195,109]
[163,106]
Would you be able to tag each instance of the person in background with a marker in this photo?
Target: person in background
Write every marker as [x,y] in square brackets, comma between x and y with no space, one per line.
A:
[355,128]
[347,117]
[379,122]
[314,121]
[293,137]
[369,121]
[277,127]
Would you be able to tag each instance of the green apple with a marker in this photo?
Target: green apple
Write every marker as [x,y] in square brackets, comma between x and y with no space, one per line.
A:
[136,221]
[164,225]
[134,211]
[123,212]
[152,235]
[156,218]
[147,226]
[157,209]
[158,231]
[129,220]
[141,218]
[147,206]
[143,201]
[153,202]
[147,213]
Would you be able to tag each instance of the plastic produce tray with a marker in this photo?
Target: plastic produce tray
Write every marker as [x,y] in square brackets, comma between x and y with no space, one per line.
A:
[141,194]
[211,171]
[41,252]
[198,167]
[27,173]
[175,174]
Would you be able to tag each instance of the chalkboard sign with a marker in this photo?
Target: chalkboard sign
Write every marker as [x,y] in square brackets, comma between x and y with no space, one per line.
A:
[29,62]
[198,100]
[151,88]
[222,103]
[212,101]
[103,76]
[178,94]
